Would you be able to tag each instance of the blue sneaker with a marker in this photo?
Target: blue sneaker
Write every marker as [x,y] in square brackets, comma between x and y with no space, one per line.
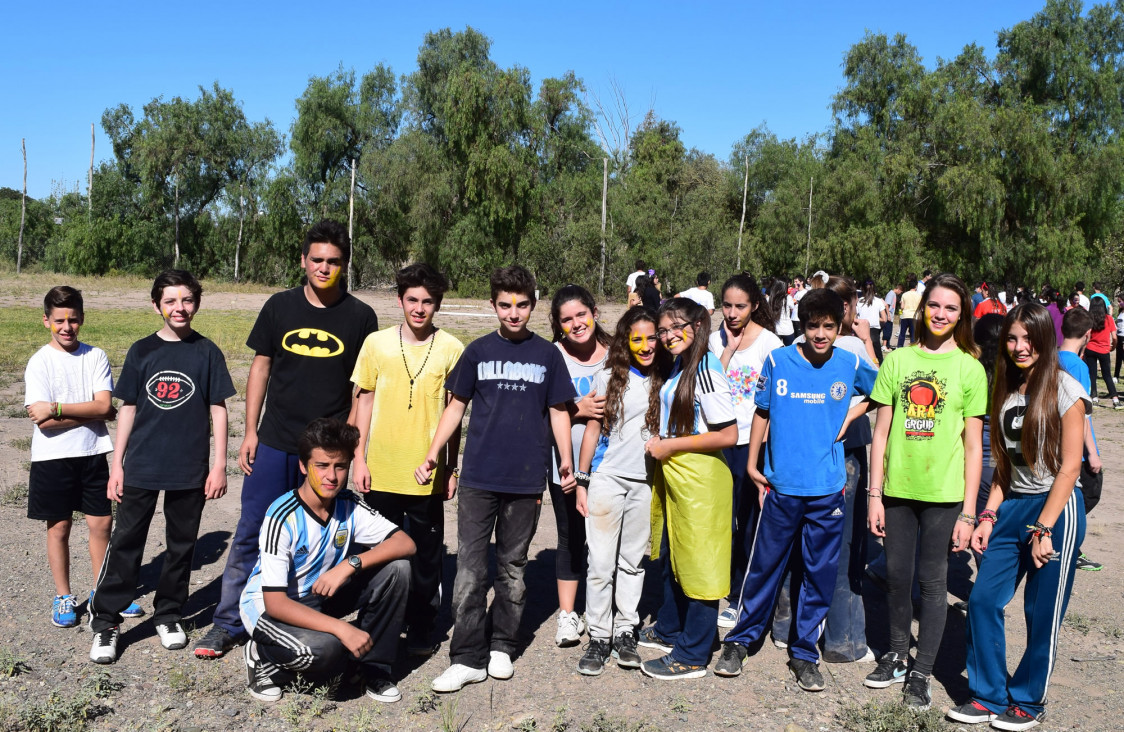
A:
[133,611]
[62,612]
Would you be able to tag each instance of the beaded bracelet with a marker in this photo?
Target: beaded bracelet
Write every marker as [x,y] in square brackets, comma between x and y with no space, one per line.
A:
[1038,530]
[58,410]
[986,515]
[967,518]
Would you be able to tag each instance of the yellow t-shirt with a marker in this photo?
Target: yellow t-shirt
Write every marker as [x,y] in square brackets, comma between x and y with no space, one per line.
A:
[911,300]
[400,434]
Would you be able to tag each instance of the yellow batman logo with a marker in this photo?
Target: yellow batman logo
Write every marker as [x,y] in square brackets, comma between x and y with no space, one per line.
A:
[312,342]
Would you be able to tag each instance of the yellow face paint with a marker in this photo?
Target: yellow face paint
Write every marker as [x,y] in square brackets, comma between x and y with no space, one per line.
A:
[934,329]
[637,342]
[333,278]
[589,323]
[514,301]
[566,329]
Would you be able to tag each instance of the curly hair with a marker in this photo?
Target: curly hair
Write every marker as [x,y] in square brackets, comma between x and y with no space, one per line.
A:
[619,361]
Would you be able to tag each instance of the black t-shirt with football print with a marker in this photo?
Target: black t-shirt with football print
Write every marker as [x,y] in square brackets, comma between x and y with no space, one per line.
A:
[173,385]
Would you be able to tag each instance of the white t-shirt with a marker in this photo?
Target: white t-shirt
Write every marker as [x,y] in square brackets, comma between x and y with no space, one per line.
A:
[870,312]
[742,372]
[702,297]
[1083,300]
[53,375]
[1023,479]
[632,279]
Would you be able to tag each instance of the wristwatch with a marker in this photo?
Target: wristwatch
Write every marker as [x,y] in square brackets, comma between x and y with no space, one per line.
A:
[355,562]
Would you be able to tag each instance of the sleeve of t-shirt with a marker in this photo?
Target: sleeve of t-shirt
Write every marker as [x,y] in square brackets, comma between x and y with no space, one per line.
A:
[886,383]
[764,397]
[865,376]
[462,380]
[275,545]
[366,373]
[1070,392]
[713,393]
[101,372]
[371,527]
[260,340]
[560,387]
[129,384]
[372,323]
[220,386]
[601,381]
[715,344]
[36,385]
[975,389]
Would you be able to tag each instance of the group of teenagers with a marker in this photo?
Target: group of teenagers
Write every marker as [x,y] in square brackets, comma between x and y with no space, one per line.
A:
[737,461]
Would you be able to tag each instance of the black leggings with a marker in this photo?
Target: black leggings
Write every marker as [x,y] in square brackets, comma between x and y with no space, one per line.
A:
[1119,354]
[569,561]
[905,518]
[1092,360]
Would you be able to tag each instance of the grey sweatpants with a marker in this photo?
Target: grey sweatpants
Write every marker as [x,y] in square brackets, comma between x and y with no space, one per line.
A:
[617,532]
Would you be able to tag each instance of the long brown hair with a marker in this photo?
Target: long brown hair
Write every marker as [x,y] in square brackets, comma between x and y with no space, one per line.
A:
[681,421]
[845,287]
[619,361]
[1042,425]
[962,331]
[582,295]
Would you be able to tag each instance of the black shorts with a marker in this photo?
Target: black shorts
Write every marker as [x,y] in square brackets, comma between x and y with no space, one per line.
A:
[57,488]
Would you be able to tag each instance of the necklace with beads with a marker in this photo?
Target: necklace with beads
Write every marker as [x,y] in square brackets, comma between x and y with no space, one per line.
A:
[402,350]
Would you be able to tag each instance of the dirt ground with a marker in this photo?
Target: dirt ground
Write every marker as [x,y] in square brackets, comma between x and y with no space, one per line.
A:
[150,688]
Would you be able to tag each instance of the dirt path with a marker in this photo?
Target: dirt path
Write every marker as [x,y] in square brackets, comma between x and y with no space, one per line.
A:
[171,690]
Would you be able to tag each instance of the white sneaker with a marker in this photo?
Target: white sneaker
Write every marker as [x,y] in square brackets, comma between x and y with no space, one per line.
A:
[456,676]
[383,690]
[570,629]
[869,657]
[728,618]
[499,667]
[172,636]
[104,648]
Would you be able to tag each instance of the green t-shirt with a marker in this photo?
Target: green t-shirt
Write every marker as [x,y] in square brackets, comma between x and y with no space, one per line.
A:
[932,395]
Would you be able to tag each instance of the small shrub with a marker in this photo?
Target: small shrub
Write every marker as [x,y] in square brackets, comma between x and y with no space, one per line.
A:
[12,664]
[424,703]
[893,717]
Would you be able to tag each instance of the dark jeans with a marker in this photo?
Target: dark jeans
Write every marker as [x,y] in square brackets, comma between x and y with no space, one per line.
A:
[275,474]
[887,332]
[423,518]
[1092,360]
[513,517]
[904,324]
[379,594]
[120,572]
[570,560]
[690,625]
[745,517]
[905,520]
[1119,354]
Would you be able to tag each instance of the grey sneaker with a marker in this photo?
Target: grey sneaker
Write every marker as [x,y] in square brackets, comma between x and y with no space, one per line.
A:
[916,693]
[807,674]
[624,650]
[732,659]
[592,662]
[649,639]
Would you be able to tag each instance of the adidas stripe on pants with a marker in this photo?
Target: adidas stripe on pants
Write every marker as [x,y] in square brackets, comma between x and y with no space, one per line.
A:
[1005,564]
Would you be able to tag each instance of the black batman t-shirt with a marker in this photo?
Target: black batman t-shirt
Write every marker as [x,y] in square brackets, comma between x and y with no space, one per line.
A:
[173,385]
[313,352]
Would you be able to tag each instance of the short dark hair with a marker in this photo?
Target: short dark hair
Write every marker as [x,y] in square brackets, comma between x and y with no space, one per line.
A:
[640,265]
[703,279]
[1079,285]
[177,278]
[422,275]
[328,232]
[512,279]
[819,304]
[1098,286]
[927,273]
[1076,322]
[330,435]
[62,296]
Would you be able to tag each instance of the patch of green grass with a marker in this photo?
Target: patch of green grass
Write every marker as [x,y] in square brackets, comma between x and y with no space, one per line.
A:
[1078,622]
[893,717]
[60,711]
[23,444]
[14,495]
[305,703]
[680,705]
[12,664]
[602,722]
[424,702]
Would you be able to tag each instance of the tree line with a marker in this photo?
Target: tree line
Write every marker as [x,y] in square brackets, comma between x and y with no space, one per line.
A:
[1008,168]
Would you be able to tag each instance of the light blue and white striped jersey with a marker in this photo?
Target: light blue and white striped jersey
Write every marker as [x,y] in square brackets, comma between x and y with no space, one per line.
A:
[295,547]
[714,405]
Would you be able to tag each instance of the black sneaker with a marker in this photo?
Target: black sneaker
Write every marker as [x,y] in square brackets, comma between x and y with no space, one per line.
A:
[649,639]
[971,713]
[624,650]
[1083,562]
[807,674]
[890,670]
[1016,719]
[258,682]
[215,643]
[667,668]
[732,659]
[592,662]
[916,693]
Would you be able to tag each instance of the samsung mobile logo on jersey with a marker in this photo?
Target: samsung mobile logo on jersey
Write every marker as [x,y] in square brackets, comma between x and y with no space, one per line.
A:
[808,397]
[510,371]
[312,342]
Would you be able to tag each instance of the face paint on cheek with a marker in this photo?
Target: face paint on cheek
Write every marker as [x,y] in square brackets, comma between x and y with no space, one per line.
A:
[333,278]
[589,323]
[636,344]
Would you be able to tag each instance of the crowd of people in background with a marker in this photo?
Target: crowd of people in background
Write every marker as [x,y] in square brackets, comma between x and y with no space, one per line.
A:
[741,455]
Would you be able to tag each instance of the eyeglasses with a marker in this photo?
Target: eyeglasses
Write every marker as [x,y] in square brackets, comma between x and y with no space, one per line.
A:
[676,328]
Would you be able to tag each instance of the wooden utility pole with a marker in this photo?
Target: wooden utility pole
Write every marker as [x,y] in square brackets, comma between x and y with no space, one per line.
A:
[604,206]
[808,253]
[90,179]
[23,206]
[241,219]
[351,221]
[176,261]
[745,189]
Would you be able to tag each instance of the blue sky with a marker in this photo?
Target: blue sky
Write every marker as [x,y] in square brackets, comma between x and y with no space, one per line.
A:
[718,69]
